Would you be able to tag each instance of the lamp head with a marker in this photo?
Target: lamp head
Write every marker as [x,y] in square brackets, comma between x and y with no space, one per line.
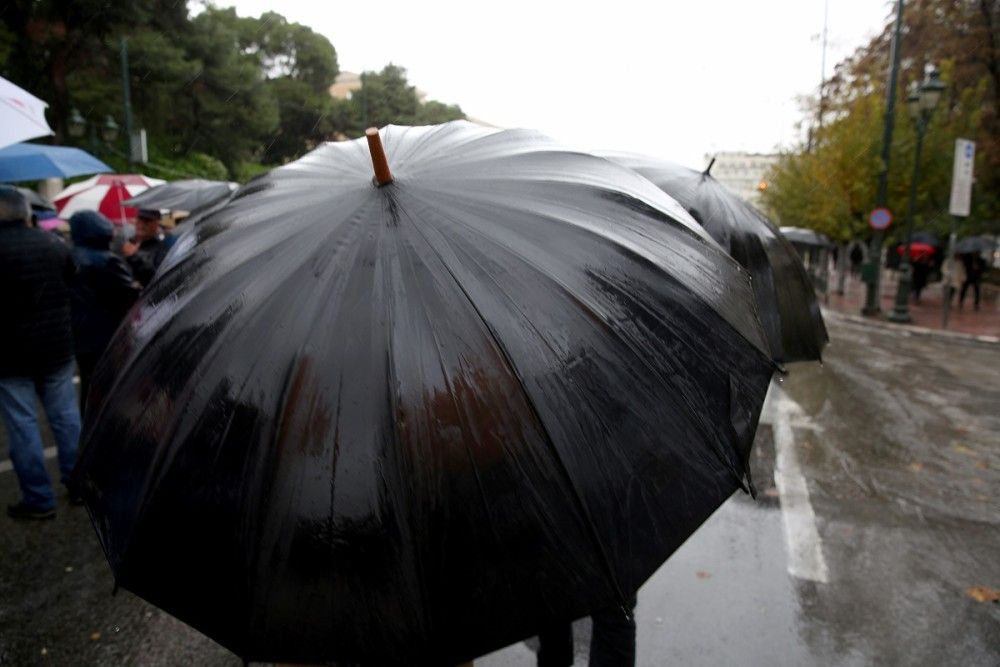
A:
[76,124]
[931,90]
[109,130]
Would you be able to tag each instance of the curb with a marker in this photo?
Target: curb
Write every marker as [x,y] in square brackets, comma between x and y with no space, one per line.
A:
[909,330]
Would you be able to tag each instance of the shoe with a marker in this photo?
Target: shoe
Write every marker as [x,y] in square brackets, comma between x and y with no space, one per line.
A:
[22,511]
[73,495]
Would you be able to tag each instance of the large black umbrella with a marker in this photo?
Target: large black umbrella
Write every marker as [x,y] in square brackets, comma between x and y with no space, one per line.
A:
[413,423]
[186,195]
[786,300]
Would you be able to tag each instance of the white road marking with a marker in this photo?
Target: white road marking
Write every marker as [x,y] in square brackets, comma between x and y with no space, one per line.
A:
[805,549]
[7,466]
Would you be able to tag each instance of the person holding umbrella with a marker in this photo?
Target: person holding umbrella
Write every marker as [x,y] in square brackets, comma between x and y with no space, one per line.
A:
[974,269]
[147,248]
[36,353]
[412,419]
[612,639]
[103,292]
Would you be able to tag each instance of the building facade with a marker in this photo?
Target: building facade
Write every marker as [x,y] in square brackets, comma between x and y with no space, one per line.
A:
[745,174]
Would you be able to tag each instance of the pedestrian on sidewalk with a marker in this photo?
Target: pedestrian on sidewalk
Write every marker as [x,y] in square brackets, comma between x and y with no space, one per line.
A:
[103,292]
[975,267]
[921,273]
[36,353]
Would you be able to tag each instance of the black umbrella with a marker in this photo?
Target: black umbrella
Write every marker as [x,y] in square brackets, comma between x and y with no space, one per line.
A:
[973,245]
[186,195]
[786,301]
[805,237]
[413,423]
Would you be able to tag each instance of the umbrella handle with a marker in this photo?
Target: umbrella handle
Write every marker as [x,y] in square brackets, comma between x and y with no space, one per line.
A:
[379,161]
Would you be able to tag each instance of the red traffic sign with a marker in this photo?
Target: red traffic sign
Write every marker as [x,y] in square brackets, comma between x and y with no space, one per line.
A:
[880,218]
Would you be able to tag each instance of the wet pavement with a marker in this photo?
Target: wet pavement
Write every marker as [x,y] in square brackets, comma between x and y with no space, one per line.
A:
[878,511]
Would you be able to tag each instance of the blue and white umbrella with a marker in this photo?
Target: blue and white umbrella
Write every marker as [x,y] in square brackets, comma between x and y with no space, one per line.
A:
[32,162]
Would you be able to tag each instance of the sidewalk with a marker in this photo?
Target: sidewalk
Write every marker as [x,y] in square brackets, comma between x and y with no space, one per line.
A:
[927,314]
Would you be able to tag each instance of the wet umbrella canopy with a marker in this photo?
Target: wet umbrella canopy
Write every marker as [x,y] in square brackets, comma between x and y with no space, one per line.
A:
[785,297]
[972,245]
[929,238]
[185,195]
[918,251]
[412,423]
[806,237]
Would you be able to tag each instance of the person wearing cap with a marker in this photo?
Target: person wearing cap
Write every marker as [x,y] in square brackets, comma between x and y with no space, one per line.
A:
[36,353]
[103,292]
[146,250]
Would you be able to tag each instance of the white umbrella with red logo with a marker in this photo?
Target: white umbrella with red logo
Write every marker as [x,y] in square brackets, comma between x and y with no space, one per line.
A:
[22,115]
[104,193]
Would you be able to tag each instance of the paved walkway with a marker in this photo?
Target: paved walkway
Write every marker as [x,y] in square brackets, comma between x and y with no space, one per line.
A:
[928,313]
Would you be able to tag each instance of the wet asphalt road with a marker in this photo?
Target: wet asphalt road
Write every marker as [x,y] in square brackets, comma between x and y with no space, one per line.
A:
[879,508]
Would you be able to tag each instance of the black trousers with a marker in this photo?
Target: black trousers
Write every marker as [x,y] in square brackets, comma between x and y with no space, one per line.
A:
[975,292]
[612,640]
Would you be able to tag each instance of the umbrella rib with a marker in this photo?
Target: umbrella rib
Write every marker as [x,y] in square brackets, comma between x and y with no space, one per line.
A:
[718,451]
[448,379]
[547,437]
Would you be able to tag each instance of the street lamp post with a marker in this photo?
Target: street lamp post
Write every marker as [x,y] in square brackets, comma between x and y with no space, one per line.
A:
[872,272]
[921,105]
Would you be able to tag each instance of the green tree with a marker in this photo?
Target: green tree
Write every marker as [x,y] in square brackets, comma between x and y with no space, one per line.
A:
[299,67]
[830,185]
[385,98]
[433,112]
[47,41]
[226,110]
[219,94]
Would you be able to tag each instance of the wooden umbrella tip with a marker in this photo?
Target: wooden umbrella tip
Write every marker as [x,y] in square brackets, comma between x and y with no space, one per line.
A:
[379,161]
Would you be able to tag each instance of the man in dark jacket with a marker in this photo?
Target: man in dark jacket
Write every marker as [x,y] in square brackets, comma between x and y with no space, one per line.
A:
[103,292]
[147,249]
[36,353]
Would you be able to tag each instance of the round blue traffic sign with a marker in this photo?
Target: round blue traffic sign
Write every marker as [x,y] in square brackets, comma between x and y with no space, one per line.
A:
[880,218]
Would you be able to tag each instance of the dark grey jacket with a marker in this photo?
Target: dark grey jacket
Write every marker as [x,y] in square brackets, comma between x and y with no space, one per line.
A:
[36,272]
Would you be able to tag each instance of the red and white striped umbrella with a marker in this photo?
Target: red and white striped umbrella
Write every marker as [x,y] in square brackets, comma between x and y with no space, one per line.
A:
[104,193]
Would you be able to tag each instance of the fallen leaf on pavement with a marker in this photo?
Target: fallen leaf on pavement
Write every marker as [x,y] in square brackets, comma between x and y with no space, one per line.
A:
[95,636]
[916,467]
[968,451]
[983,594]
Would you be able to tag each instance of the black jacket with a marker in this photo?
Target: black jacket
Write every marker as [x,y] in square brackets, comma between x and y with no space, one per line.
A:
[104,289]
[36,271]
[147,259]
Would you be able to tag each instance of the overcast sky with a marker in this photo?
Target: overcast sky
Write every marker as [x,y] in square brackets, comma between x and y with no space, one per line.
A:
[672,79]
